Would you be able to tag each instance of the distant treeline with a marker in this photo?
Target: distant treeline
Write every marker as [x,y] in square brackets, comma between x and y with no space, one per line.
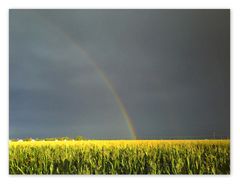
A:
[51,139]
[78,138]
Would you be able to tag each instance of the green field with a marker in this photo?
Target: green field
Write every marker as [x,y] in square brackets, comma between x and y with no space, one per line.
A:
[120,157]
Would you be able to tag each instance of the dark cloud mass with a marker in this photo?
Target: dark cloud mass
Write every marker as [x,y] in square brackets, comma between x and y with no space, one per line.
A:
[171,69]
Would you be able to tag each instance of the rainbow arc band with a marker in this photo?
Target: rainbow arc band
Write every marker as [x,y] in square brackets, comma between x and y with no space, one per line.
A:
[103,77]
[114,93]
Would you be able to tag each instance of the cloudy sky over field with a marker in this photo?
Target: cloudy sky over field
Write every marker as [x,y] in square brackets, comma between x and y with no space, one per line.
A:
[72,70]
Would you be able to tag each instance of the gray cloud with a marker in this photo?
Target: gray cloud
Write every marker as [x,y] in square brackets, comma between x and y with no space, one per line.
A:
[171,69]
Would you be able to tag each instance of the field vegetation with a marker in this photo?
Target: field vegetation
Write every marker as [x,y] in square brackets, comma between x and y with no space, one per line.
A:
[119,157]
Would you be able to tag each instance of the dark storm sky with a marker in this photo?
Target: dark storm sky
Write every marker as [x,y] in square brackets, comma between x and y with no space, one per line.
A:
[171,69]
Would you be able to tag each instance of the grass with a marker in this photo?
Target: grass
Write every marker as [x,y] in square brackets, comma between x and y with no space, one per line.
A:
[120,157]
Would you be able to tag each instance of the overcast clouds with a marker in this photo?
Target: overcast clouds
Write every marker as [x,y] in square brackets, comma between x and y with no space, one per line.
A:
[171,69]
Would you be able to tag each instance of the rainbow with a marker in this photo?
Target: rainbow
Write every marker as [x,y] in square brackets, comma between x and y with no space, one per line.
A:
[110,86]
[104,77]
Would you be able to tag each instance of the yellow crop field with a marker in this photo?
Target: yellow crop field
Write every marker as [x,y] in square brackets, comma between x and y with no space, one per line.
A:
[120,157]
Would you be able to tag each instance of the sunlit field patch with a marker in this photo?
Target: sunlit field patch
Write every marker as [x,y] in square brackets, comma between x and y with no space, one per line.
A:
[120,157]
